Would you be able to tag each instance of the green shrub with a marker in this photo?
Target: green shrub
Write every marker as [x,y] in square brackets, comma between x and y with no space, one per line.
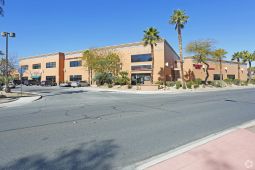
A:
[103,78]
[196,86]
[178,84]
[252,81]
[160,82]
[184,87]
[110,85]
[236,82]
[244,83]
[218,83]
[228,81]
[129,86]
[122,79]
[170,83]
[189,84]
[198,81]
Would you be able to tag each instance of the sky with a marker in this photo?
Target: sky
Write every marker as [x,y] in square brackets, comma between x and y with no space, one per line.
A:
[47,26]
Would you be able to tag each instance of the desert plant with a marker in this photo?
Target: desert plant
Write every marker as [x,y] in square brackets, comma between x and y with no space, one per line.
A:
[179,19]
[103,78]
[170,83]
[228,81]
[201,50]
[178,85]
[218,83]
[218,55]
[122,78]
[198,81]
[151,37]
[189,84]
[110,85]
[196,86]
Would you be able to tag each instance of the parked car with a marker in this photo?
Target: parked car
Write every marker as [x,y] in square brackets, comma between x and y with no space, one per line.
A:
[17,82]
[48,83]
[11,85]
[84,84]
[31,82]
[79,84]
[67,84]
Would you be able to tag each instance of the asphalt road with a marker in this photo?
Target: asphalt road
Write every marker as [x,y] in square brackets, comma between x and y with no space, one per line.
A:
[80,129]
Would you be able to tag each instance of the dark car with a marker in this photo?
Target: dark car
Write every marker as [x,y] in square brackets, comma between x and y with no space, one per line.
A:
[48,83]
[31,82]
[17,82]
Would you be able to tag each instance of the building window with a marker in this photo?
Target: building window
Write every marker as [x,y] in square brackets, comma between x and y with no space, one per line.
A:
[75,78]
[216,77]
[51,78]
[75,63]
[141,68]
[51,65]
[141,58]
[24,67]
[36,66]
[232,77]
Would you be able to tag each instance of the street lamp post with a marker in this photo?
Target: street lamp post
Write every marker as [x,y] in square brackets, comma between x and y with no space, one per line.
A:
[7,35]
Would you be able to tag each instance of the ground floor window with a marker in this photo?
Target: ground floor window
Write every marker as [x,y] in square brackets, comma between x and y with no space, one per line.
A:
[75,78]
[51,78]
[232,77]
[216,76]
[140,78]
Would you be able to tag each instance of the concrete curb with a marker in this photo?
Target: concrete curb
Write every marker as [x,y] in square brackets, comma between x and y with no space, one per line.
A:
[172,153]
[21,101]
[163,92]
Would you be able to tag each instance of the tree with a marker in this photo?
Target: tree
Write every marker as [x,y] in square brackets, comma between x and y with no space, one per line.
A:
[248,57]
[201,50]
[2,2]
[89,57]
[151,37]
[101,61]
[237,57]
[219,54]
[179,19]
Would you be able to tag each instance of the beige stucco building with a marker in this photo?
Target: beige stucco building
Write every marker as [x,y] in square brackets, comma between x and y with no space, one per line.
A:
[135,59]
[229,69]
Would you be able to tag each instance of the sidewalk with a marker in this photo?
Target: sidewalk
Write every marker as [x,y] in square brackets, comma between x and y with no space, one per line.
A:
[172,91]
[232,151]
[19,102]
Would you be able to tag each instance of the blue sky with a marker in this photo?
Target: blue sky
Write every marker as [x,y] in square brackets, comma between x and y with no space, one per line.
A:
[45,26]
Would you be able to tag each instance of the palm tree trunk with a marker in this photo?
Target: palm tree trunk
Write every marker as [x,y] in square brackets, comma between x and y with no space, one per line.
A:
[221,76]
[238,71]
[89,75]
[181,56]
[207,72]
[249,71]
[152,67]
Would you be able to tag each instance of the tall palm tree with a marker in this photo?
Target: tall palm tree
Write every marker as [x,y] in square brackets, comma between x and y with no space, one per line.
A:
[201,50]
[248,57]
[237,57]
[179,19]
[219,54]
[2,2]
[151,37]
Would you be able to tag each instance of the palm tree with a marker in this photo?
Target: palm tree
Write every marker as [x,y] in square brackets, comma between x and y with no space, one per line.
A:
[179,19]
[2,2]
[219,54]
[201,50]
[237,57]
[248,57]
[151,37]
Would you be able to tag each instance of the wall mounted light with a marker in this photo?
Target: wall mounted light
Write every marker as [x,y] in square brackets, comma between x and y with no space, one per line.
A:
[226,69]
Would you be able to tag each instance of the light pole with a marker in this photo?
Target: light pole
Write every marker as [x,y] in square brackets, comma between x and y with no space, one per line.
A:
[166,65]
[7,35]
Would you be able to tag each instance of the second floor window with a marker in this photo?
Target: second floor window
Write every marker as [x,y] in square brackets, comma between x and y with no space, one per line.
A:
[24,67]
[75,63]
[36,66]
[51,65]
[141,58]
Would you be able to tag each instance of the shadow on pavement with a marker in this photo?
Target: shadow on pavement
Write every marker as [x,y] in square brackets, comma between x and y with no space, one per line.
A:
[94,155]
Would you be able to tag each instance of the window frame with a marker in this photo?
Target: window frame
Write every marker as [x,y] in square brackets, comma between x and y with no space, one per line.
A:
[51,65]
[141,60]
[79,63]
[39,64]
